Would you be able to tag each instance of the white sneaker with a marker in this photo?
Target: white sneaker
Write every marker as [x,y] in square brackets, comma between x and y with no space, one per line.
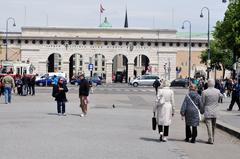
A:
[64,114]
[82,115]
[59,114]
[164,139]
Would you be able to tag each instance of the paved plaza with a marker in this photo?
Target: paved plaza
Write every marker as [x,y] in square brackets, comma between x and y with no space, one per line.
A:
[31,129]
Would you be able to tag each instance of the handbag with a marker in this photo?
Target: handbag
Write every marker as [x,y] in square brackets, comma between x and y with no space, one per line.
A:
[199,114]
[154,123]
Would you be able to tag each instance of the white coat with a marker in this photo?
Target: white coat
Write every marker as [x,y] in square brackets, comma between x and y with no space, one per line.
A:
[165,111]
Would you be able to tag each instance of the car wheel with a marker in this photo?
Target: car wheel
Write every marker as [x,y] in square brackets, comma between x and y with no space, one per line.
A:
[41,84]
[135,84]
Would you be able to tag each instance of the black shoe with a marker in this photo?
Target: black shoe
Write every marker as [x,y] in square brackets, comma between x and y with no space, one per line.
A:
[186,140]
[193,140]
[211,143]
[229,109]
[160,139]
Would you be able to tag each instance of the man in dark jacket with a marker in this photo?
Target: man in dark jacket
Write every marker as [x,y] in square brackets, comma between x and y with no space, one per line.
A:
[83,94]
[235,95]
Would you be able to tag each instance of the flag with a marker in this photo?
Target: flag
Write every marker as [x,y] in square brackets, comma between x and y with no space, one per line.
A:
[101,8]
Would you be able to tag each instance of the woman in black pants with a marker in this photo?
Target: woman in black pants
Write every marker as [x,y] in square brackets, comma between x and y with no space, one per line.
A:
[190,110]
[59,92]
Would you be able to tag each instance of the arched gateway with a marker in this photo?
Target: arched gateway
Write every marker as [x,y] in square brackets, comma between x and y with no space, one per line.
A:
[109,50]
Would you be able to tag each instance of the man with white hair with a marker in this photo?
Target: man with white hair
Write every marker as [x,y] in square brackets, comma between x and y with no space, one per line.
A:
[210,98]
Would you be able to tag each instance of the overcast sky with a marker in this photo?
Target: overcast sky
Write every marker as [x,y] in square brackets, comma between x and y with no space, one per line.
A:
[163,14]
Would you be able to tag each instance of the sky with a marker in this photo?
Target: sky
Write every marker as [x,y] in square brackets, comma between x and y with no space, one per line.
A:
[154,14]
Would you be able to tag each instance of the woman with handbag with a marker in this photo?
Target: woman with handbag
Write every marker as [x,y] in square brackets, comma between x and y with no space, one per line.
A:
[163,110]
[191,111]
[59,92]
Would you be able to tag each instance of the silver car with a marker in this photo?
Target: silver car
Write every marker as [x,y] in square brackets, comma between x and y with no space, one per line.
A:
[144,80]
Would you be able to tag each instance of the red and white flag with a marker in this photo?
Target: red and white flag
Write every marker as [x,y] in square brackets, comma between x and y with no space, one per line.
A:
[101,8]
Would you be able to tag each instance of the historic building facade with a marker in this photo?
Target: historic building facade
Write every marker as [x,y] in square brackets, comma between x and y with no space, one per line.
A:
[111,50]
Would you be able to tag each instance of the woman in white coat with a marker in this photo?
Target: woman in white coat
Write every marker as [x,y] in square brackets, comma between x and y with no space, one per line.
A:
[164,109]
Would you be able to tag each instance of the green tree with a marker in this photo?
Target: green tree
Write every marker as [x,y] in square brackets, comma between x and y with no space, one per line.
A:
[220,59]
[227,32]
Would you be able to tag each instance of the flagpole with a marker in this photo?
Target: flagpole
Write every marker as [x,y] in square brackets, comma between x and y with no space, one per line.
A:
[100,18]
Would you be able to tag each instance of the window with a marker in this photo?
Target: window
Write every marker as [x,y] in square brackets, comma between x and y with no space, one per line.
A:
[149,43]
[206,44]
[163,44]
[84,42]
[113,43]
[19,41]
[103,69]
[96,63]
[134,43]
[103,63]
[80,63]
[77,42]
[142,43]
[170,44]
[200,44]
[26,41]
[48,42]
[96,56]
[33,41]
[69,42]
[127,43]
[91,42]
[95,68]
[185,44]
[120,43]
[40,42]
[193,44]
[156,43]
[178,44]
[4,41]
[62,42]
[105,43]
[11,41]
[55,42]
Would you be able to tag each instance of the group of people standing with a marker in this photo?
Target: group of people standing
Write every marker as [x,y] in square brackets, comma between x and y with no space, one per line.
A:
[25,85]
[193,105]
[59,93]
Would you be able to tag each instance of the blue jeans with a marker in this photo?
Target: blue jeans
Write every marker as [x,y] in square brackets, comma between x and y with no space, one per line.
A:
[7,94]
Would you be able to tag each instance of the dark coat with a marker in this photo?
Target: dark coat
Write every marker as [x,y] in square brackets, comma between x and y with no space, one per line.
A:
[60,95]
[84,88]
[189,110]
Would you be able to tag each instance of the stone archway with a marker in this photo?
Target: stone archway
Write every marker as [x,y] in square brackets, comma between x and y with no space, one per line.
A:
[75,65]
[120,68]
[99,65]
[54,62]
[141,65]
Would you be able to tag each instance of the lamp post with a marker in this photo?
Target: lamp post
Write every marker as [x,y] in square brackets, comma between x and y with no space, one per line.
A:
[209,55]
[14,24]
[190,45]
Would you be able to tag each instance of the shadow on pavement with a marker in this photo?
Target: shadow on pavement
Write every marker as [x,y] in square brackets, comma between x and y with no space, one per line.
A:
[149,139]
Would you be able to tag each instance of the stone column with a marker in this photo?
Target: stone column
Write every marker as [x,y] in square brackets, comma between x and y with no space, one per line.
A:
[130,70]
[65,68]
[109,72]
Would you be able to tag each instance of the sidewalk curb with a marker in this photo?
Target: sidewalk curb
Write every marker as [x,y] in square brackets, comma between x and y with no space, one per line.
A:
[229,129]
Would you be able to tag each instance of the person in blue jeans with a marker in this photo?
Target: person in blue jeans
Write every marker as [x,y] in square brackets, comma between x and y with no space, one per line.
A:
[8,83]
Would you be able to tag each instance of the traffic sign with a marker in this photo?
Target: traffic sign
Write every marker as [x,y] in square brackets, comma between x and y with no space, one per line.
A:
[90,67]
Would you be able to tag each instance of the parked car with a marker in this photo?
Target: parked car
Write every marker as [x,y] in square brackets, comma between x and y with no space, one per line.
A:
[46,80]
[95,79]
[180,82]
[144,80]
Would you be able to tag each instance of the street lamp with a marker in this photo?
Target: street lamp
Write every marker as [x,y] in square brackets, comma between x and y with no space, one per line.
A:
[209,58]
[190,45]
[14,24]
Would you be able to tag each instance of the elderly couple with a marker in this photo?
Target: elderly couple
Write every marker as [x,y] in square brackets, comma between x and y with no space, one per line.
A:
[59,92]
[192,104]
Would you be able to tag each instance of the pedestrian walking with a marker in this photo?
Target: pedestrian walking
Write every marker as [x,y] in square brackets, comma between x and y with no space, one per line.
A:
[156,84]
[83,94]
[210,98]
[19,85]
[191,106]
[59,92]
[32,85]
[9,84]
[163,110]
[24,85]
[235,95]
